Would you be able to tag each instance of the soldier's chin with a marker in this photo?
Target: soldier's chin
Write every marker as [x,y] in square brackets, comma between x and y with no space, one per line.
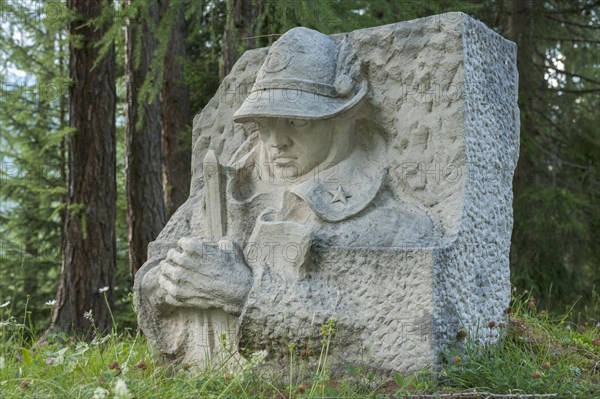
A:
[287,170]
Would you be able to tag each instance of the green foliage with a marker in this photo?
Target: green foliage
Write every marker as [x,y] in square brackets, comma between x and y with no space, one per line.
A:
[32,173]
[120,365]
[538,354]
[34,123]
[555,250]
[205,22]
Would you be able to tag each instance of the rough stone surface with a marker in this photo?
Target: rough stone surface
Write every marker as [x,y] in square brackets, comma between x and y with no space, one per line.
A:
[404,241]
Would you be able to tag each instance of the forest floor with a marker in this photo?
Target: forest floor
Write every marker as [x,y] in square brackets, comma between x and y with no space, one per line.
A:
[540,356]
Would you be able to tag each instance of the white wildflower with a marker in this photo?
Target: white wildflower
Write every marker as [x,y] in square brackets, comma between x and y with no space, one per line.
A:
[5,304]
[258,358]
[103,289]
[59,357]
[121,391]
[2,362]
[100,340]
[51,303]
[100,393]
[88,315]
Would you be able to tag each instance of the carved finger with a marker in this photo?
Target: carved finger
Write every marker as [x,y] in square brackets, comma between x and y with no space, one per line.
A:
[172,271]
[172,301]
[167,284]
[191,263]
[171,253]
[208,266]
[192,245]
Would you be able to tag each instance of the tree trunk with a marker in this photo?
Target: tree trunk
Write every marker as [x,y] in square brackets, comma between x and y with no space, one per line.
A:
[145,205]
[175,118]
[518,15]
[240,30]
[89,247]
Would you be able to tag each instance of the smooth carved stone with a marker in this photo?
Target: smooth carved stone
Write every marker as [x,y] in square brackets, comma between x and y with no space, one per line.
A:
[363,177]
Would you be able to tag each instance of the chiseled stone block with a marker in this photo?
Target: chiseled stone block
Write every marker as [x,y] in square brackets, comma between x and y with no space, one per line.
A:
[364,178]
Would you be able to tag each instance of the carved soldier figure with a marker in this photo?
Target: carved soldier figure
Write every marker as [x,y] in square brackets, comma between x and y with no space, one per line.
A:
[307,181]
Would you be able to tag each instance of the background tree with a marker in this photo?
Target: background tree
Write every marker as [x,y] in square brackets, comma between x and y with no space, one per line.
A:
[145,206]
[175,112]
[557,182]
[89,247]
[241,29]
[33,125]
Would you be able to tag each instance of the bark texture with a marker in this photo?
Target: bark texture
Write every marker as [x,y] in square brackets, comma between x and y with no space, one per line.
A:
[89,246]
[145,206]
[241,29]
[518,15]
[175,117]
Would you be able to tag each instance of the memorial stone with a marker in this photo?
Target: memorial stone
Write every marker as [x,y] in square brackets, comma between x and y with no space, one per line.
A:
[362,179]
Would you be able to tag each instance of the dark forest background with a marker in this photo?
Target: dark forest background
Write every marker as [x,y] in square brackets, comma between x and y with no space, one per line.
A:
[97,101]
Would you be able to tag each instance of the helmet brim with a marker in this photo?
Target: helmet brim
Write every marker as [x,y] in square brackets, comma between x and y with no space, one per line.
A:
[294,104]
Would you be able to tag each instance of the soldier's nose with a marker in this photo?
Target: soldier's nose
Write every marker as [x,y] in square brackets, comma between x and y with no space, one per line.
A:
[277,138]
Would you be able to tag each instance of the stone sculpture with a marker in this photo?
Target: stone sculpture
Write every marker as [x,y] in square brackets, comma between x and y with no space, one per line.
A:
[350,189]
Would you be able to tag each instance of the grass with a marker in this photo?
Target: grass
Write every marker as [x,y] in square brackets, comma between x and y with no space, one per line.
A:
[540,354]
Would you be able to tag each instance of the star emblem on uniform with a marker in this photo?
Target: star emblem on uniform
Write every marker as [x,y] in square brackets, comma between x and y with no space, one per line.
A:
[339,195]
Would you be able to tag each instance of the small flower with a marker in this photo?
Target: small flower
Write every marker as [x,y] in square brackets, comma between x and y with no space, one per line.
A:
[100,393]
[18,358]
[457,359]
[51,303]
[88,315]
[546,365]
[536,376]
[492,324]
[258,358]
[121,390]
[24,384]
[5,304]
[508,310]
[461,334]
[103,289]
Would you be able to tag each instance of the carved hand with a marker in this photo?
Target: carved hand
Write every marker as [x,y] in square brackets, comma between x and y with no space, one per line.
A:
[205,275]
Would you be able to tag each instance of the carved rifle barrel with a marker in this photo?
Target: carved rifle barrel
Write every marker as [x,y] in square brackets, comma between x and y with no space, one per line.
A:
[214,201]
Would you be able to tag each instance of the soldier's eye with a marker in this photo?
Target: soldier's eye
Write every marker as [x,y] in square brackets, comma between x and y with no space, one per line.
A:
[298,122]
[264,136]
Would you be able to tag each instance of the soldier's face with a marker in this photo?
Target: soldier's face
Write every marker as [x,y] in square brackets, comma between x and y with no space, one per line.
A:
[295,146]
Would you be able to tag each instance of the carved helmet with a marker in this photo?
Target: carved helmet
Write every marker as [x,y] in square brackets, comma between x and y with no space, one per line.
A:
[306,75]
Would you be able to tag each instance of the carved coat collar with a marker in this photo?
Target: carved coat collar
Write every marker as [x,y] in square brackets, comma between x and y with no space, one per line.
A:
[343,190]
[334,194]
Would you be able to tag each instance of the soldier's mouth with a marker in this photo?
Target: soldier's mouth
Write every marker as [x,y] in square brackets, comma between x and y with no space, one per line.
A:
[283,159]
